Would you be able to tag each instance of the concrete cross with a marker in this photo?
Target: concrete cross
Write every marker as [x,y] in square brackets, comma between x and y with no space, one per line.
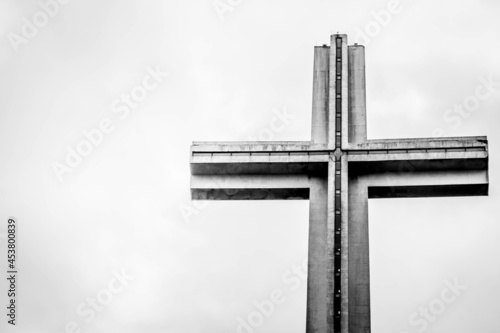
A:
[338,171]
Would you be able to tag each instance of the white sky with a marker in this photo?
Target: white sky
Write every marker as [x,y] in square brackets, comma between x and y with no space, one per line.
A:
[121,207]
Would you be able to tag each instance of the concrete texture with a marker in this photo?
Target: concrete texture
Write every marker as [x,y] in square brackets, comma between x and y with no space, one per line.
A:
[321,82]
[357,95]
[338,171]
[359,263]
[317,286]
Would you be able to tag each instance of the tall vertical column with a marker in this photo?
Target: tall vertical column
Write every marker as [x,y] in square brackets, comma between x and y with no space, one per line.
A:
[320,94]
[358,260]
[337,300]
[317,277]
[357,95]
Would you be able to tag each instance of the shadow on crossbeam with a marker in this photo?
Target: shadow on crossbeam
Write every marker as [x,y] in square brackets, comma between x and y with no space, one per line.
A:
[384,192]
[251,194]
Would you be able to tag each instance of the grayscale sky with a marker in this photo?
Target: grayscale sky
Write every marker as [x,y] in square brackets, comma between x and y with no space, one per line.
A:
[112,242]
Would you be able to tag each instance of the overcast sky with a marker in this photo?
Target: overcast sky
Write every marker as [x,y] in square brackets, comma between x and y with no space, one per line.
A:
[113,242]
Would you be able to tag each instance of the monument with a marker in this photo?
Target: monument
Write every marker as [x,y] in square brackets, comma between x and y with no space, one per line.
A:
[338,171]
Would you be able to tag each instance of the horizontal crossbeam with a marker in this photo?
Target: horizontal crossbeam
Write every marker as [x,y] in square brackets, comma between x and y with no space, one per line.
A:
[311,159]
